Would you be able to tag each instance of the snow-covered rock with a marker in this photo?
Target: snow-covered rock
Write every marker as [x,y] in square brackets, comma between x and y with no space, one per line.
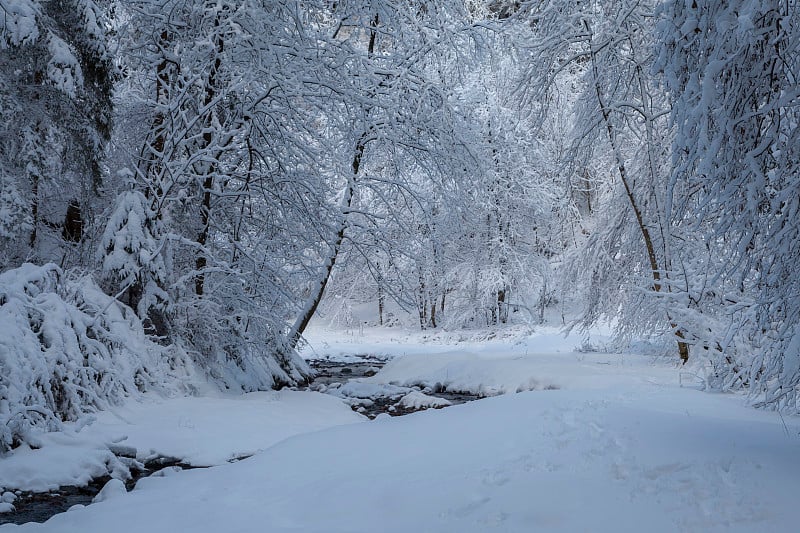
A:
[113,489]
[418,400]
[362,389]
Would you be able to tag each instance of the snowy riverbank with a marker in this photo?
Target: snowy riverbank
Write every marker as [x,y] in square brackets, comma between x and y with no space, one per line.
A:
[615,444]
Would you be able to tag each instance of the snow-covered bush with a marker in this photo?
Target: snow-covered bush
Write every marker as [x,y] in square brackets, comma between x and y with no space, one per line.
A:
[236,343]
[67,349]
[19,25]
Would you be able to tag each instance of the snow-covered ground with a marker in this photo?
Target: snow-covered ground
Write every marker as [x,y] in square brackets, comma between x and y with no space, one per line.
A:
[202,431]
[595,442]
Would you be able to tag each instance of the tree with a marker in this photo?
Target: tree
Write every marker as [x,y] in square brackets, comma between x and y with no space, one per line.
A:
[132,263]
[460,240]
[397,120]
[732,71]
[511,216]
[232,168]
[56,78]
[604,49]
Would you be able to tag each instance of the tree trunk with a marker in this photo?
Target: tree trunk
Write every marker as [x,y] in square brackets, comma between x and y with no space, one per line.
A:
[683,347]
[502,307]
[152,154]
[34,210]
[381,294]
[422,306]
[314,299]
[72,230]
[208,182]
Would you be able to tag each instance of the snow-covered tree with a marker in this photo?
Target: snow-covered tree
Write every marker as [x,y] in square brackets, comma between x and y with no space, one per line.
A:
[602,52]
[132,262]
[732,70]
[398,134]
[220,110]
[461,240]
[56,77]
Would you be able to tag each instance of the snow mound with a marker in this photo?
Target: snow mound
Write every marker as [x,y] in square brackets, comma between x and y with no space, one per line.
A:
[113,489]
[419,400]
[198,430]
[361,389]
[463,372]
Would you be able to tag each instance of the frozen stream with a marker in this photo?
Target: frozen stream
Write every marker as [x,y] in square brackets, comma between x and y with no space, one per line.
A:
[331,377]
[40,506]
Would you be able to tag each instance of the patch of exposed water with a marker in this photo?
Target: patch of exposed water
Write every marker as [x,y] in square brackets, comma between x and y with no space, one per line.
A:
[333,374]
[40,506]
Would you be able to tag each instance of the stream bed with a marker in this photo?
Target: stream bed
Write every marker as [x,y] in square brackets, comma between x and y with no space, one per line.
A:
[333,377]
[39,506]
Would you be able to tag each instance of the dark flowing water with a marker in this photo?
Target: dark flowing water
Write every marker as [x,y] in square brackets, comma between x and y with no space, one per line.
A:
[39,506]
[332,372]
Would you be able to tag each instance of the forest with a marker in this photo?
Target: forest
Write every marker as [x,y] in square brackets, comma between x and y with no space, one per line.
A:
[186,186]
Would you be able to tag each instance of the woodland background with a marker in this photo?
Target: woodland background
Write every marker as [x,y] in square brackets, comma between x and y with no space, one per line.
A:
[183,183]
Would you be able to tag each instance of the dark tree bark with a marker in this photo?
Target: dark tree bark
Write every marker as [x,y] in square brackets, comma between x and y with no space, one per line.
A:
[73,223]
[208,182]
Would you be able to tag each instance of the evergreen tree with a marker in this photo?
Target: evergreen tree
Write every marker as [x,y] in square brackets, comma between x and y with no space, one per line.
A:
[56,82]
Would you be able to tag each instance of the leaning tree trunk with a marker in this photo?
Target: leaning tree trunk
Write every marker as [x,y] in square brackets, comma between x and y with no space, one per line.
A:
[683,347]
[317,292]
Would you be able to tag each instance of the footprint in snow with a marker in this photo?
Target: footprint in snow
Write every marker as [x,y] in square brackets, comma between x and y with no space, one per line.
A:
[468,508]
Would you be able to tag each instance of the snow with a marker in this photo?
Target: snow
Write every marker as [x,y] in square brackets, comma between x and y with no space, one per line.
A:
[620,445]
[420,400]
[543,361]
[201,431]
[63,69]
[212,430]
[67,349]
[347,345]
[114,488]
[63,460]
[361,389]
[18,25]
